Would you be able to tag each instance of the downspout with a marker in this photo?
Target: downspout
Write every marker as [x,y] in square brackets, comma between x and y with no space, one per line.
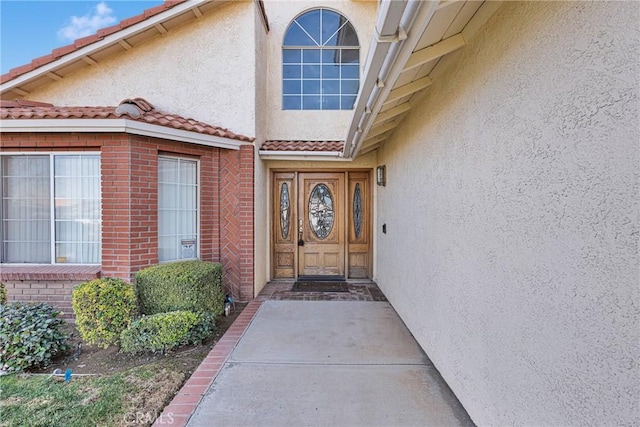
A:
[404,23]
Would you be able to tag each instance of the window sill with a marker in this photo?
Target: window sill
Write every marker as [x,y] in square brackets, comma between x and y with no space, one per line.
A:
[49,272]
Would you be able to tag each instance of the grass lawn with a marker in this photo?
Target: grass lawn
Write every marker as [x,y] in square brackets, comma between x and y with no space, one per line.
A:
[104,400]
[121,390]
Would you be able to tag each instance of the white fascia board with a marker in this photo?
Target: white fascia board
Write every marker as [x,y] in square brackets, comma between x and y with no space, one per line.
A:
[100,44]
[119,125]
[332,156]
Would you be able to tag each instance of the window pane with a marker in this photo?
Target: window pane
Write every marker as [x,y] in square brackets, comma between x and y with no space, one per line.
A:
[330,72]
[331,87]
[331,22]
[330,102]
[348,102]
[311,71]
[26,213]
[310,21]
[310,87]
[292,56]
[292,102]
[291,71]
[311,56]
[297,37]
[311,102]
[291,87]
[168,170]
[350,56]
[349,87]
[330,56]
[349,71]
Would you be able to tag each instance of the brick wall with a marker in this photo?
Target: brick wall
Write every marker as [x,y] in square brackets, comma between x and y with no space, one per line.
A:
[236,221]
[129,167]
[51,284]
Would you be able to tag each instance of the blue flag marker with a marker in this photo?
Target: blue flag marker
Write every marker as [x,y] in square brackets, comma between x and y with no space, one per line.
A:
[67,375]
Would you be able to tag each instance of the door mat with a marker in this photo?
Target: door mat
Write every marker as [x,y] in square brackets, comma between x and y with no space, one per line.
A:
[320,286]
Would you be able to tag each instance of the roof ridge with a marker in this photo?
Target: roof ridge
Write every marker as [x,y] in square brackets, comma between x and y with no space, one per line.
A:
[87,40]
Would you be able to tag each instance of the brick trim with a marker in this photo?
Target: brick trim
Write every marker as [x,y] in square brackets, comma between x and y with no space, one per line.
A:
[49,272]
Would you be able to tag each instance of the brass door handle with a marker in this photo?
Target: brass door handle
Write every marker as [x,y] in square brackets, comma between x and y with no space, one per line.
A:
[300,231]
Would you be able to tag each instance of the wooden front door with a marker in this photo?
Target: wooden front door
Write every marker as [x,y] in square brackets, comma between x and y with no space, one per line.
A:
[321,224]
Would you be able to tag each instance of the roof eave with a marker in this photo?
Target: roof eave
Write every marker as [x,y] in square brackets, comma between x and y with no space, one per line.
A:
[303,155]
[119,125]
[86,51]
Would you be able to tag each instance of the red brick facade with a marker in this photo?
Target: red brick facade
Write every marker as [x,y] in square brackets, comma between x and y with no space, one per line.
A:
[129,167]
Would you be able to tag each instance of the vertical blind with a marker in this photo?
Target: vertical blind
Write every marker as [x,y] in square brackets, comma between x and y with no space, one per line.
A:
[177,209]
[49,198]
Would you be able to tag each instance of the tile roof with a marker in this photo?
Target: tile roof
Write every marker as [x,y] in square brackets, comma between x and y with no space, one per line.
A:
[84,41]
[302,146]
[136,109]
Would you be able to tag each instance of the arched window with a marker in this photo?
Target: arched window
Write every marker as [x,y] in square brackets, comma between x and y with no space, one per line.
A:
[320,62]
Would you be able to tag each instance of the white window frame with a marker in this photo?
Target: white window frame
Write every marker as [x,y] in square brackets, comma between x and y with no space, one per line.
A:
[52,218]
[198,208]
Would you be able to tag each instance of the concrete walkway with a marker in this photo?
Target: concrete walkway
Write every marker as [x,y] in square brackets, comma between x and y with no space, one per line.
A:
[338,363]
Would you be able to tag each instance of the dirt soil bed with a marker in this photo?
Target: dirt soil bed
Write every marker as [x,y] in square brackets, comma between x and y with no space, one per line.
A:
[156,378]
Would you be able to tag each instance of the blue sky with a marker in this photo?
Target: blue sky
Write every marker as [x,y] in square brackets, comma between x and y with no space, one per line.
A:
[30,28]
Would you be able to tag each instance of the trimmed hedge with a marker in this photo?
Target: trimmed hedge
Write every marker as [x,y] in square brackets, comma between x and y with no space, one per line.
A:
[3,293]
[188,285]
[163,331]
[103,308]
[29,336]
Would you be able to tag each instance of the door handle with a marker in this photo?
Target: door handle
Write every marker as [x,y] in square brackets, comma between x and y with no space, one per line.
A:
[300,230]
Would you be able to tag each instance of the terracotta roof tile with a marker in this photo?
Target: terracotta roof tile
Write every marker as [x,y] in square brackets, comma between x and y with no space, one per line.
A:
[137,109]
[302,146]
[84,41]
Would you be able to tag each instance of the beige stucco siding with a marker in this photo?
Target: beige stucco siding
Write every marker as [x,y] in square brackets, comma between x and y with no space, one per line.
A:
[309,125]
[512,217]
[261,176]
[204,70]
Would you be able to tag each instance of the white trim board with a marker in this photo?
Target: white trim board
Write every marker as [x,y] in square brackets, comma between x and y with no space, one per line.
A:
[119,125]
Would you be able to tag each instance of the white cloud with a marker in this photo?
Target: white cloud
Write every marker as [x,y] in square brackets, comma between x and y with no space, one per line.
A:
[101,16]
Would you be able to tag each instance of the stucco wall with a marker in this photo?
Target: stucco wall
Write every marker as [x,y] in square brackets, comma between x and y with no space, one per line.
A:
[512,217]
[309,125]
[261,177]
[203,70]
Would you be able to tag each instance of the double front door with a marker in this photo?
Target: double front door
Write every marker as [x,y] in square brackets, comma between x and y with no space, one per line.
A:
[320,224]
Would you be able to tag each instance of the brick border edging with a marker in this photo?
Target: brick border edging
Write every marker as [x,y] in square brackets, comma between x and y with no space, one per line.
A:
[179,411]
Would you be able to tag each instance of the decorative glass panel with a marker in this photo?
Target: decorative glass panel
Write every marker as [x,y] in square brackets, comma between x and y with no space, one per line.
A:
[321,211]
[285,211]
[357,210]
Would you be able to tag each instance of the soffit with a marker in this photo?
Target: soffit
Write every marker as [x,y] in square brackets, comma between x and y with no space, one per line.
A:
[91,50]
[450,25]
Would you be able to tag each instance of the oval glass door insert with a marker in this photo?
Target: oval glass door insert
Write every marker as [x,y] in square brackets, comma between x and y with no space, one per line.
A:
[321,211]
[357,211]
[285,211]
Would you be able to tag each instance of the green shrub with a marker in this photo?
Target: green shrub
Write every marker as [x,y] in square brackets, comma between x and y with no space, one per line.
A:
[103,308]
[3,293]
[29,336]
[164,331]
[188,285]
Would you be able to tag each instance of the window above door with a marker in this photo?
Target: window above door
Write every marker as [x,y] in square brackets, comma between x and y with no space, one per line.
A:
[320,62]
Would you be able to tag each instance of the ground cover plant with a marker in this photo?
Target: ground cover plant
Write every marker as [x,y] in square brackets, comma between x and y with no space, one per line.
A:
[126,389]
[30,336]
